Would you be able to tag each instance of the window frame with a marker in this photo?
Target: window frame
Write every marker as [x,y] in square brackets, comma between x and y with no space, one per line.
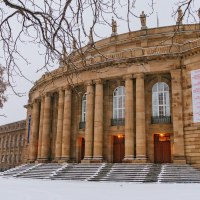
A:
[161,100]
[119,110]
[83,107]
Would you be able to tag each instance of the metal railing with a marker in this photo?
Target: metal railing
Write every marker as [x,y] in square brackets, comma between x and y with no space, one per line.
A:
[161,119]
[81,125]
[118,122]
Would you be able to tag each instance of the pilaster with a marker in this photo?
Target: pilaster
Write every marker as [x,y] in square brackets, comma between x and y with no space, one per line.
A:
[177,116]
[40,128]
[66,136]
[89,129]
[45,149]
[34,131]
[98,122]
[129,121]
[140,119]
[59,131]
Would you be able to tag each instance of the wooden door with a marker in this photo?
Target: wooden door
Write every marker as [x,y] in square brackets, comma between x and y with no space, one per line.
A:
[118,149]
[162,149]
[82,148]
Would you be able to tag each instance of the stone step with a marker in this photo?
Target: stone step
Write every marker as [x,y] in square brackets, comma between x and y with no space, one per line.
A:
[165,173]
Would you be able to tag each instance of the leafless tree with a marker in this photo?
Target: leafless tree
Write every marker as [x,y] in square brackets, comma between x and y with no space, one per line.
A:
[3,85]
[60,27]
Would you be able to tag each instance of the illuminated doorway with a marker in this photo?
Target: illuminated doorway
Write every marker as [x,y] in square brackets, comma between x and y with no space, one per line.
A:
[162,148]
[82,148]
[118,148]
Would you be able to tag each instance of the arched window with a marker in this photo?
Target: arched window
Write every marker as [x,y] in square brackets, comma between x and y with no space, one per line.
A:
[160,100]
[119,103]
[83,114]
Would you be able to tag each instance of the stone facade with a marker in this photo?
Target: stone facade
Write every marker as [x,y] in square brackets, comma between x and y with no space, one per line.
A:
[12,144]
[74,116]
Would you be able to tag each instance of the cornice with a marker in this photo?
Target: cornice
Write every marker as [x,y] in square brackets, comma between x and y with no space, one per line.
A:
[137,55]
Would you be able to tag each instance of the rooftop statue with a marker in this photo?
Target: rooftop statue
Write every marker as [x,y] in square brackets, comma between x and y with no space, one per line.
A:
[114,27]
[180,16]
[143,20]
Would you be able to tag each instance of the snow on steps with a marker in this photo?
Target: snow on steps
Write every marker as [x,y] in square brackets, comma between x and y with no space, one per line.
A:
[123,172]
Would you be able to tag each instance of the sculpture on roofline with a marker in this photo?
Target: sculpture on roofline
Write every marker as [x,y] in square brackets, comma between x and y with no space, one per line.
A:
[180,16]
[114,27]
[143,17]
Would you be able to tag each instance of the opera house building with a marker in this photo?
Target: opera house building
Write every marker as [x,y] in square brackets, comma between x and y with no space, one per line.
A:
[133,98]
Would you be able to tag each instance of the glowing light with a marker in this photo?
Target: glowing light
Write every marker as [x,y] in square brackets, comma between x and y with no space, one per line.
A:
[161,134]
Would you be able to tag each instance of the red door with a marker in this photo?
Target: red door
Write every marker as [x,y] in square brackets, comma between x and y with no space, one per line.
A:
[82,148]
[162,148]
[118,149]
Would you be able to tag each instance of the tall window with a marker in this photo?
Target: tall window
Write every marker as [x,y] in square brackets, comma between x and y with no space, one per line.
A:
[29,128]
[119,103]
[83,115]
[160,100]
[21,141]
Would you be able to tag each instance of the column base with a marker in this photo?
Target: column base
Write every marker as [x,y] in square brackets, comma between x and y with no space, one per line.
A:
[87,159]
[42,160]
[56,160]
[64,159]
[141,159]
[179,160]
[31,161]
[128,159]
[98,159]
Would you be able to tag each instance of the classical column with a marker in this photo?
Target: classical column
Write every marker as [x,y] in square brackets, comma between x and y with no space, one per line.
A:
[177,116]
[46,128]
[98,122]
[140,119]
[58,148]
[40,128]
[89,129]
[129,121]
[34,131]
[66,136]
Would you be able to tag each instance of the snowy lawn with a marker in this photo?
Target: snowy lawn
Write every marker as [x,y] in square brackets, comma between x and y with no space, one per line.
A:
[27,189]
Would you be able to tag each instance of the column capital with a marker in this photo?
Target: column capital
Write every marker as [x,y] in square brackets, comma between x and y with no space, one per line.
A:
[36,100]
[139,76]
[42,97]
[67,87]
[48,94]
[88,83]
[98,81]
[128,77]
[60,89]
[68,90]
[175,72]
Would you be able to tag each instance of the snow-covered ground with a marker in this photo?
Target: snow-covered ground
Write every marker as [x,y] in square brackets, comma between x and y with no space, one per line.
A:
[20,189]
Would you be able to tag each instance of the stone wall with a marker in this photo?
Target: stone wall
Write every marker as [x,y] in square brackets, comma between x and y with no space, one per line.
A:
[12,144]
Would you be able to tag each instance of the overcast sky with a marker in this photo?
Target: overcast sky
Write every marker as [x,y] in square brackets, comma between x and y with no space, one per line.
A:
[13,108]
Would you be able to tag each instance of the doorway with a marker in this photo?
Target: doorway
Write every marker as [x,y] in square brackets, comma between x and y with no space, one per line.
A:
[118,149]
[162,148]
[82,148]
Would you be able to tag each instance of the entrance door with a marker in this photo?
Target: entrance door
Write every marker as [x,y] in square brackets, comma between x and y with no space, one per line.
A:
[162,148]
[118,149]
[82,148]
